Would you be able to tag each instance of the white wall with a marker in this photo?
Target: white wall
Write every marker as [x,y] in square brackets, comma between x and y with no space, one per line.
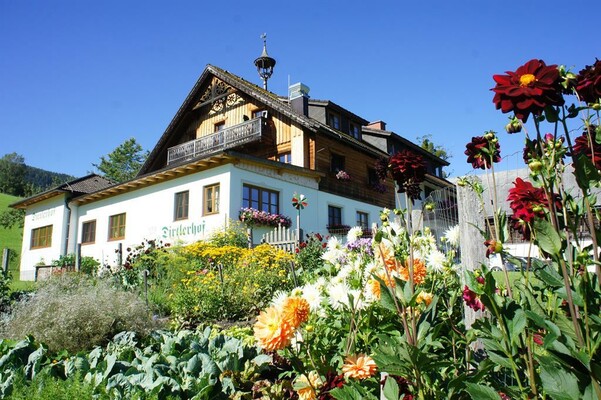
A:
[150,212]
[48,212]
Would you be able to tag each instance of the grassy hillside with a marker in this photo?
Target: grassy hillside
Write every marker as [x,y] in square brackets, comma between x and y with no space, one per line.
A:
[10,238]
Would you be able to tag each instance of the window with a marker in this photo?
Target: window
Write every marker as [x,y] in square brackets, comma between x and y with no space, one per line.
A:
[258,113]
[181,205]
[88,232]
[261,199]
[362,219]
[334,216]
[372,177]
[334,120]
[354,130]
[337,163]
[285,158]
[211,199]
[41,237]
[117,227]
[219,126]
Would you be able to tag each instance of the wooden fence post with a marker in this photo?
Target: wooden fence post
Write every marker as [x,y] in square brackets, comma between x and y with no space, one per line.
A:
[78,257]
[471,221]
[5,260]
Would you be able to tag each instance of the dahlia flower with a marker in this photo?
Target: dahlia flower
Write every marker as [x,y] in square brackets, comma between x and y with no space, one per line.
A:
[295,311]
[528,90]
[483,151]
[272,331]
[359,366]
[589,83]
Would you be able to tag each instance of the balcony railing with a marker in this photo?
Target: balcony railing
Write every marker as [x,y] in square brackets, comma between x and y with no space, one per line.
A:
[246,132]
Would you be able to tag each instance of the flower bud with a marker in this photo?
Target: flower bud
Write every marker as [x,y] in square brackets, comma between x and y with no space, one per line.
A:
[514,125]
[535,166]
[309,328]
[596,106]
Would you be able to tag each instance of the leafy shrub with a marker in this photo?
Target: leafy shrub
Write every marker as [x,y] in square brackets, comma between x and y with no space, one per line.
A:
[74,312]
[228,283]
[4,291]
[308,255]
[88,265]
[234,234]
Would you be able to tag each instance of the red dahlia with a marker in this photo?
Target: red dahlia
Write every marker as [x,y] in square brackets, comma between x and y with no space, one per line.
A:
[527,203]
[408,170]
[587,145]
[589,83]
[483,151]
[528,90]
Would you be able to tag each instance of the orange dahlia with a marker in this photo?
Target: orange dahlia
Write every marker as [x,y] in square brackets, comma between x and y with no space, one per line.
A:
[419,271]
[272,331]
[306,386]
[386,255]
[359,366]
[295,311]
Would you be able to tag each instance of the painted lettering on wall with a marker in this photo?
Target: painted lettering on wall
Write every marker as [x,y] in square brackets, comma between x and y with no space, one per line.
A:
[191,229]
[43,214]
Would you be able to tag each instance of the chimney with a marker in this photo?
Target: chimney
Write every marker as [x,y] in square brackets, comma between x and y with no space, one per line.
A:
[298,95]
[380,125]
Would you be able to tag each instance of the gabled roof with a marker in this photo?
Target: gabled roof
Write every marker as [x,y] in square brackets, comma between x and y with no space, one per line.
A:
[263,96]
[409,144]
[335,107]
[176,171]
[77,187]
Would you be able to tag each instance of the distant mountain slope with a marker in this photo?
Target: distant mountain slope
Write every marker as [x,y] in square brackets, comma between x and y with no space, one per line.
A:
[43,179]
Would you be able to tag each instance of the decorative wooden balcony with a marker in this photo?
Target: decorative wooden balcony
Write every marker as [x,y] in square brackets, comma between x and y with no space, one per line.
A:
[244,133]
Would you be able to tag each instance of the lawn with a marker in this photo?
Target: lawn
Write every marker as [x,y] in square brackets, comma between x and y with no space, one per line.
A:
[11,238]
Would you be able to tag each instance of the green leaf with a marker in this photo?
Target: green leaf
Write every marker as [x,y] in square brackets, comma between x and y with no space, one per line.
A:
[391,390]
[585,172]
[547,237]
[551,114]
[518,325]
[550,276]
[481,392]
[560,384]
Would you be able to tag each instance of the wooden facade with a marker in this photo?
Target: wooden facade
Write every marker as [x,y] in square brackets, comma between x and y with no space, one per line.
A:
[221,100]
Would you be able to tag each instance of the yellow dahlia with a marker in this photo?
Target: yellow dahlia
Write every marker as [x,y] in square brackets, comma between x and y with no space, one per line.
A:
[272,331]
[359,366]
[424,297]
[295,311]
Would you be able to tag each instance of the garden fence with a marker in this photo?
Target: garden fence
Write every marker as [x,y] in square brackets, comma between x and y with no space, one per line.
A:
[283,238]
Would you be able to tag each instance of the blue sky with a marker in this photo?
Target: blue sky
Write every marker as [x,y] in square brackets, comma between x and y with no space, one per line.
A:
[78,78]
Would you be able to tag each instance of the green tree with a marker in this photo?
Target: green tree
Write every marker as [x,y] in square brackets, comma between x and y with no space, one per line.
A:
[439,151]
[124,162]
[12,174]
[12,217]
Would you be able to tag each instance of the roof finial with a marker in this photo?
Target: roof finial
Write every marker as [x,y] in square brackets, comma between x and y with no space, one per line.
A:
[264,63]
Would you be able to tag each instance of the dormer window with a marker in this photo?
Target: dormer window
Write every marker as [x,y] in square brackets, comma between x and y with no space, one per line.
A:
[334,120]
[354,130]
